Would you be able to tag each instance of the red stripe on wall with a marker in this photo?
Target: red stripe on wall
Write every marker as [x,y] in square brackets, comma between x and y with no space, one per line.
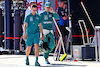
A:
[81,35]
[9,37]
[1,36]
[16,37]
[12,37]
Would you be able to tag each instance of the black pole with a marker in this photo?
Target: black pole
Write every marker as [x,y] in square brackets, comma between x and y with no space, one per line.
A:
[8,25]
[1,28]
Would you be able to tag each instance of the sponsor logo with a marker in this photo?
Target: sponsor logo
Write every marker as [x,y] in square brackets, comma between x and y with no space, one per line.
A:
[33,23]
[45,17]
[62,12]
[50,15]
[37,18]
[49,22]
[31,18]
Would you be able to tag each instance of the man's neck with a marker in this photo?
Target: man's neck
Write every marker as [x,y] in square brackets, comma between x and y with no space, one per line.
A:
[47,11]
[33,14]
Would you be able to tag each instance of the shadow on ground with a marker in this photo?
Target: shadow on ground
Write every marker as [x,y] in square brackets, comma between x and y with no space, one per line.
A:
[63,65]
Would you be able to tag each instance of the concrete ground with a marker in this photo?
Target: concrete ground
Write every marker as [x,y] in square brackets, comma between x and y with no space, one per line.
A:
[19,61]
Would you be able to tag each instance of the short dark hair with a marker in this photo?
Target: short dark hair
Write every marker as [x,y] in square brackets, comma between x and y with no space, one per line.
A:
[35,6]
[60,1]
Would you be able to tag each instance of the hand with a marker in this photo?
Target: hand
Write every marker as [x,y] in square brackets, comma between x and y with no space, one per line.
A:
[51,9]
[42,37]
[24,36]
[65,18]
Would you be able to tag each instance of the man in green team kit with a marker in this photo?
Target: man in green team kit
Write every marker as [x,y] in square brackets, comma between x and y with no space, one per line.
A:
[47,21]
[32,33]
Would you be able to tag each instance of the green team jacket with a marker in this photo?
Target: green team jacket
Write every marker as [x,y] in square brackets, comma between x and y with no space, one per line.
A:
[46,19]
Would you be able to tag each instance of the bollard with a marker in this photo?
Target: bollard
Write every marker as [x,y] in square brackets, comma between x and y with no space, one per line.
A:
[17,29]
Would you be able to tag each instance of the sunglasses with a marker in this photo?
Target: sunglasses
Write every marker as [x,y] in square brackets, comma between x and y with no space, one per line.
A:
[34,10]
[48,7]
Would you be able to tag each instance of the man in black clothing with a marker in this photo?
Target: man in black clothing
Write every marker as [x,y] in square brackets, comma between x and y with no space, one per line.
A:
[63,22]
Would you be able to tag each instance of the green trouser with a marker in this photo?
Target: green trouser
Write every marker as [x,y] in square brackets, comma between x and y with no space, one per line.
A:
[49,38]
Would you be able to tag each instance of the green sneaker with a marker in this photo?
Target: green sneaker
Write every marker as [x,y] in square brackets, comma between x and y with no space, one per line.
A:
[46,61]
[27,61]
[37,64]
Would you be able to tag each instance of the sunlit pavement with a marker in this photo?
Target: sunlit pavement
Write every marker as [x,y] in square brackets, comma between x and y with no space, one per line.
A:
[19,61]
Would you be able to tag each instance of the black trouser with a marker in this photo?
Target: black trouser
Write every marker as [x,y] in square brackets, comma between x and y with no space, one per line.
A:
[64,33]
[63,30]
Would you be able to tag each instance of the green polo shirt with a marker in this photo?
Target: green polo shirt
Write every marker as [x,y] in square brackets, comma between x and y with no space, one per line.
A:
[33,22]
[46,19]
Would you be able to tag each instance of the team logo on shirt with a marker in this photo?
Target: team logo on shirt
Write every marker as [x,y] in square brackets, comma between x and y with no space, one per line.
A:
[45,17]
[33,23]
[37,18]
[62,12]
[50,15]
[31,18]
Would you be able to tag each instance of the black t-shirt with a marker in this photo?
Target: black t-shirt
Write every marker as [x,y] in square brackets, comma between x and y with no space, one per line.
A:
[61,12]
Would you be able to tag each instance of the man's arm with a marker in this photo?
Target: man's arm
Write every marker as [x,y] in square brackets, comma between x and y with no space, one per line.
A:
[55,15]
[24,30]
[26,13]
[41,30]
[65,18]
[26,20]
[61,14]
[20,43]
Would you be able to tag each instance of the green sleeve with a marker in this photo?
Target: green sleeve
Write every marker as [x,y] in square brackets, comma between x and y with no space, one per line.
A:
[26,20]
[39,19]
[56,16]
